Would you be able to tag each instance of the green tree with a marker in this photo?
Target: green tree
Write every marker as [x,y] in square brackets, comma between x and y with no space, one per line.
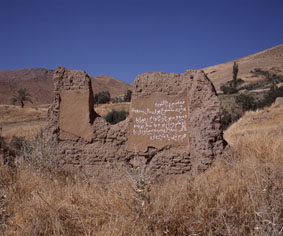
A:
[22,96]
[128,96]
[235,74]
[102,97]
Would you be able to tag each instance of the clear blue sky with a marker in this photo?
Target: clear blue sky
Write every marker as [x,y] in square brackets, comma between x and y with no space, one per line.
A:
[123,38]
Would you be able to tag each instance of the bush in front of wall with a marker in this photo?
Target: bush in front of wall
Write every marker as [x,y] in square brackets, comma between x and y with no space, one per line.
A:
[114,117]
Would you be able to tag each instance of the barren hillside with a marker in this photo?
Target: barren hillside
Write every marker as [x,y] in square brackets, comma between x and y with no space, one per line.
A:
[40,85]
[37,81]
[269,60]
[114,86]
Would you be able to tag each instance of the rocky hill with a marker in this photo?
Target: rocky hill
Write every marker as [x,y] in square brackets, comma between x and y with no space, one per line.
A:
[268,60]
[40,85]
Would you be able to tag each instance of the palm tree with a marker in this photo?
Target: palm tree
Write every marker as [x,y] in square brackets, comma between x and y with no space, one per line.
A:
[22,96]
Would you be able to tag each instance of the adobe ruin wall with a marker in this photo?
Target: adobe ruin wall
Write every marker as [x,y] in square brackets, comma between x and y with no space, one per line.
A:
[174,126]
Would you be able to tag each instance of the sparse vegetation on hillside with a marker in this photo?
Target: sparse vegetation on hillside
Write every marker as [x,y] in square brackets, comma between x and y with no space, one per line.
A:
[249,96]
[231,86]
[266,80]
[227,89]
[270,96]
[269,80]
[234,106]
[268,60]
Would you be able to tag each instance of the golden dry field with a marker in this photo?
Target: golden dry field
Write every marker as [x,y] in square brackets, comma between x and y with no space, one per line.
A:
[27,122]
[103,109]
[263,125]
[24,122]
[240,194]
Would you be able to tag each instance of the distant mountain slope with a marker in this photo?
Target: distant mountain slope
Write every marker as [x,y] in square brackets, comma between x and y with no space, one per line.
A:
[37,81]
[40,84]
[269,60]
[105,82]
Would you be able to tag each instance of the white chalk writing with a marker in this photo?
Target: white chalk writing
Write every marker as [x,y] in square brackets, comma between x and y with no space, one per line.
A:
[166,121]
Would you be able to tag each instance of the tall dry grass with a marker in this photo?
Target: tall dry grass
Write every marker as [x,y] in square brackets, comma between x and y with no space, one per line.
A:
[29,130]
[241,194]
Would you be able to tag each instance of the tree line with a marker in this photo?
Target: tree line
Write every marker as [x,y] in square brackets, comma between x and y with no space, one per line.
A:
[105,97]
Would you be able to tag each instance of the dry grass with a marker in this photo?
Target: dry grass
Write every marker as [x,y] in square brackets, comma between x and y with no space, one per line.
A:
[23,129]
[13,114]
[103,109]
[25,122]
[239,195]
[259,125]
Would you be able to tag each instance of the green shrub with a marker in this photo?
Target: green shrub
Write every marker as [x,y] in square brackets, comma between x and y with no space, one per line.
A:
[258,71]
[255,85]
[114,117]
[228,89]
[268,76]
[102,97]
[246,102]
[270,97]
[240,81]
[128,96]
[277,78]
[229,118]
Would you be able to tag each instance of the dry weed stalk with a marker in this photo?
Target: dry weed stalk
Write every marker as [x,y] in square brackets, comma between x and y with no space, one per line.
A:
[40,155]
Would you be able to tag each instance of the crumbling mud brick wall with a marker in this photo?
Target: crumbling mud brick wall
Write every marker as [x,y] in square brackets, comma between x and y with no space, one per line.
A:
[174,125]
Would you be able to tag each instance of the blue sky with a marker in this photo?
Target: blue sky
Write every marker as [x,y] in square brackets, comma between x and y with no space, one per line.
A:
[124,38]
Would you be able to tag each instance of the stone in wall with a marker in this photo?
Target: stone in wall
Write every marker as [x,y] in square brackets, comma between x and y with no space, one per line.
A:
[174,125]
